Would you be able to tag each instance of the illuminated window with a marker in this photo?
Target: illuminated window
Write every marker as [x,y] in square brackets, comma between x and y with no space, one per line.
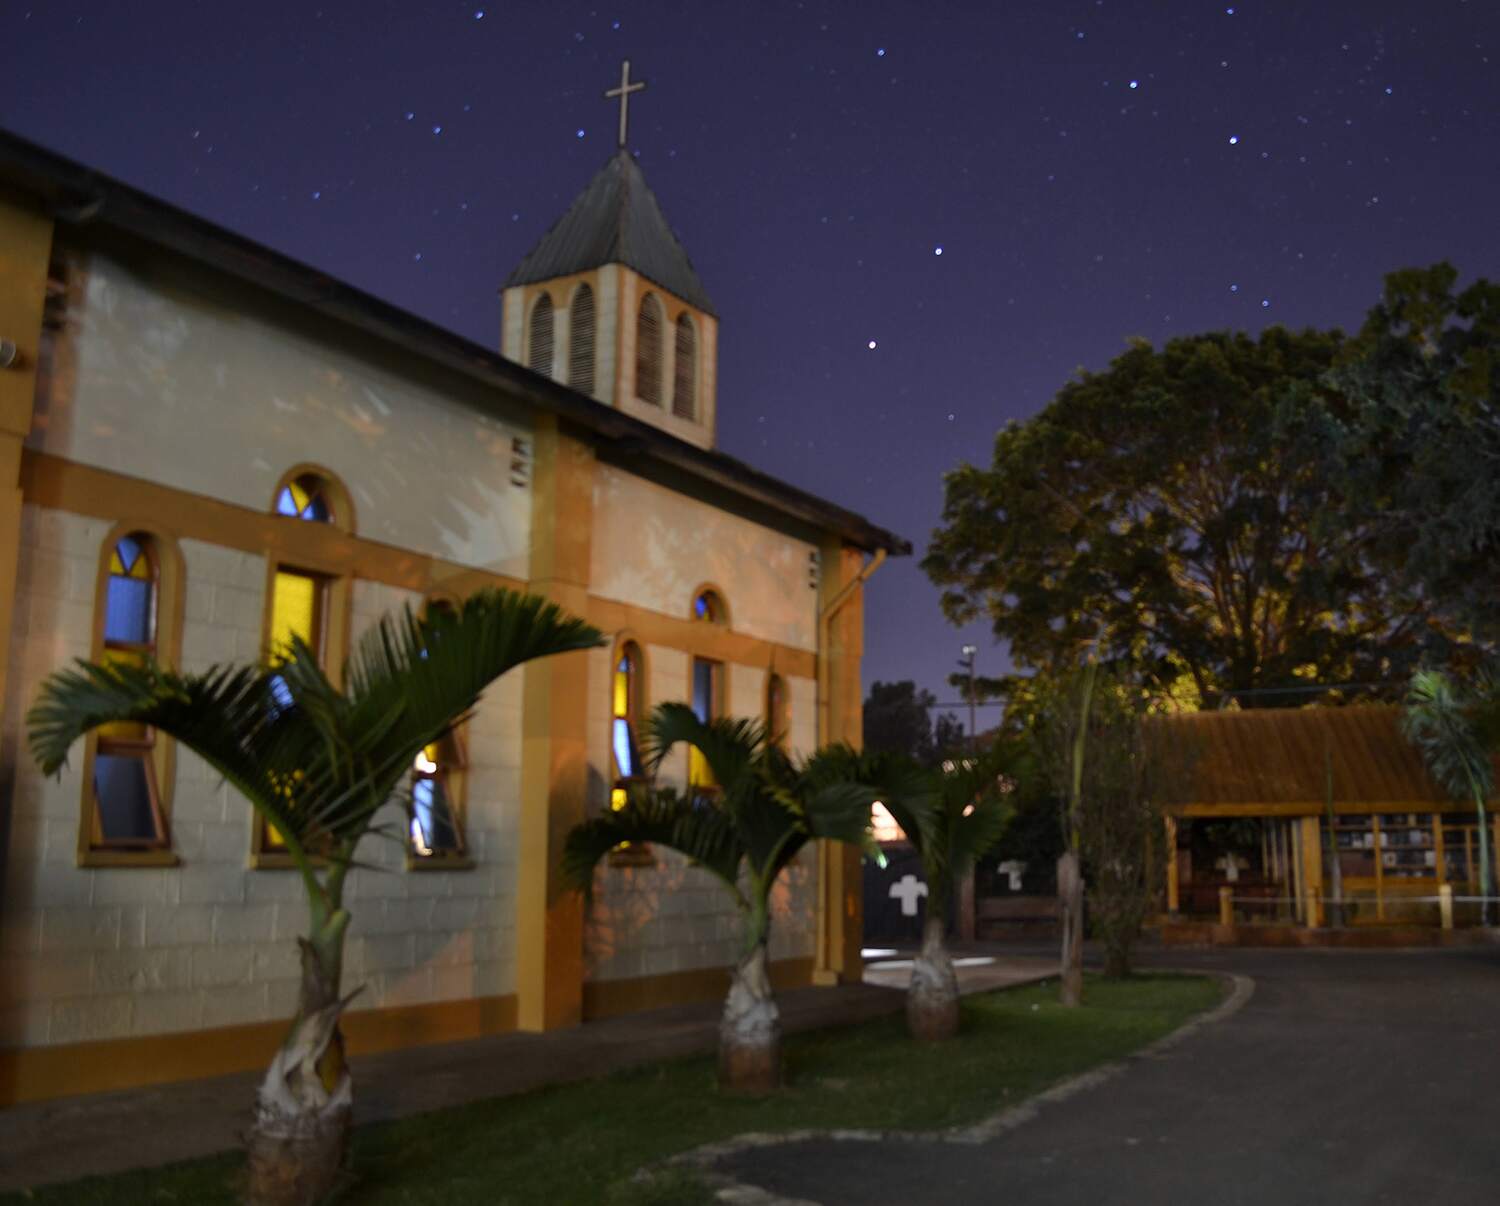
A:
[625,713]
[539,337]
[883,827]
[438,790]
[126,808]
[436,828]
[648,350]
[707,606]
[776,710]
[708,696]
[305,497]
[685,371]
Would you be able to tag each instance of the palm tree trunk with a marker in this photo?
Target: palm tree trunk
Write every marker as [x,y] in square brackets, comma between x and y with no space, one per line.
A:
[932,999]
[299,1139]
[750,1030]
[1070,918]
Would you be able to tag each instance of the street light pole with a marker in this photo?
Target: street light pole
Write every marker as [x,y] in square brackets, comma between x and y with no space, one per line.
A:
[970,653]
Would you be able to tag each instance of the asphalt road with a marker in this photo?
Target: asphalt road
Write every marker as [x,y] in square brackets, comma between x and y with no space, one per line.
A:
[1349,1077]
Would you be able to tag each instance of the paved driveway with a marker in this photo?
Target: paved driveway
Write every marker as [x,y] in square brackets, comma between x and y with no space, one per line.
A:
[1349,1077]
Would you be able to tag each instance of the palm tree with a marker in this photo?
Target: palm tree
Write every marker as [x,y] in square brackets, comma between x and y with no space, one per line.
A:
[317,764]
[765,808]
[953,816]
[1441,721]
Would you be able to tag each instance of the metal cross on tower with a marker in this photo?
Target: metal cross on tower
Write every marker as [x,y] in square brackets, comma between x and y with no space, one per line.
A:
[623,92]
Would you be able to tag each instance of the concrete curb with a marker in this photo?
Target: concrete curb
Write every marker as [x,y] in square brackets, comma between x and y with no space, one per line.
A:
[736,1193]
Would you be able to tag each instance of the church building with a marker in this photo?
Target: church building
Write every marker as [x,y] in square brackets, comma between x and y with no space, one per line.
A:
[206,447]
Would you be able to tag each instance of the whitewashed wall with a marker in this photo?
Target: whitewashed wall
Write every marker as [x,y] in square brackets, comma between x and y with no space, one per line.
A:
[95,953]
[652,546]
[165,381]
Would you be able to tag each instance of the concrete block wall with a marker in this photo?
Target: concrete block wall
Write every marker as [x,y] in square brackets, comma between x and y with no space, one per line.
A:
[671,917]
[99,953]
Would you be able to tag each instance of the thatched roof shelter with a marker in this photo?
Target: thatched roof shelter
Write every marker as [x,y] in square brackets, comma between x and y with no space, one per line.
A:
[1276,762]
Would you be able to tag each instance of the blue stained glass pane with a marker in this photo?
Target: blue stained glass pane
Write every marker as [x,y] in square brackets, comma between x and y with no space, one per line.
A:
[285,503]
[281,694]
[624,743]
[127,610]
[316,509]
[703,690]
[128,550]
[700,606]
[125,813]
[430,803]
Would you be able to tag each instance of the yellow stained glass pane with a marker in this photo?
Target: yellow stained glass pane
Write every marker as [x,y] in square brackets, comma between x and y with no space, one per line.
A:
[299,495]
[622,693]
[617,798]
[123,730]
[293,611]
[272,838]
[116,566]
[699,774]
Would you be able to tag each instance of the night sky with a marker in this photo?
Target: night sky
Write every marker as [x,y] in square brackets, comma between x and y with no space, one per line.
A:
[915,220]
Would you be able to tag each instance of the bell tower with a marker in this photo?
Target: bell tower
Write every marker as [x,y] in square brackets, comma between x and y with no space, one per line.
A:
[609,303]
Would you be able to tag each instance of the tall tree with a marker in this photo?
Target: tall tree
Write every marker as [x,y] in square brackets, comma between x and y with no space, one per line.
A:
[1418,451]
[318,764]
[1154,508]
[898,720]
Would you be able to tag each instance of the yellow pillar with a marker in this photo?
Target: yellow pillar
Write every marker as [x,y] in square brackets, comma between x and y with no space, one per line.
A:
[1226,906]
[1173,889]
[25,250]
[840,913]
[1312,869]
[554,749]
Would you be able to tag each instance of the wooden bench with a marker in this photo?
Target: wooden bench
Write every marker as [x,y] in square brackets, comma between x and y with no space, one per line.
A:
[998,918]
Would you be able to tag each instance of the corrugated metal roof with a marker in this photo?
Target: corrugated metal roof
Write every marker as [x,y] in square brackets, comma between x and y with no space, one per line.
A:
[615,220]
[1277,756]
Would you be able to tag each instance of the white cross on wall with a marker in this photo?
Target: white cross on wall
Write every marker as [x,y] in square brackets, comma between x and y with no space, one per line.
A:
[908,890]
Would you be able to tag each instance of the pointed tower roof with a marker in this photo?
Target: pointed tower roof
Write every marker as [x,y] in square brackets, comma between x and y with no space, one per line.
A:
[615,220]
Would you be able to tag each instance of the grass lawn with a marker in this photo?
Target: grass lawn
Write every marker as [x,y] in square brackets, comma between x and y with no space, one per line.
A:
[580,1143]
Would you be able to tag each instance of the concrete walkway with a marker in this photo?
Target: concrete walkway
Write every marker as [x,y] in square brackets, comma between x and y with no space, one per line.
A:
[39,1143]
[1350,1076]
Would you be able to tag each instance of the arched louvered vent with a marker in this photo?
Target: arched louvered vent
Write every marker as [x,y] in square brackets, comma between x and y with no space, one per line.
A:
[581,341]
[539,338]
[648,351]
[685,375]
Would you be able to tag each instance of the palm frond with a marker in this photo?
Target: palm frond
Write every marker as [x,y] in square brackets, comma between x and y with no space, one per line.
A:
[1439,721]
[657,817]
[729,746]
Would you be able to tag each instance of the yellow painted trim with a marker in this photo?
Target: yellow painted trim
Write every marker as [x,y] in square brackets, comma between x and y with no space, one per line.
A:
[554,743]
[65,1070]
[25,254]
[610,998]
[1316,808]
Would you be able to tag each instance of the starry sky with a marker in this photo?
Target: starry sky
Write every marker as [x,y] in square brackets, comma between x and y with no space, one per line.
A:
[915,219]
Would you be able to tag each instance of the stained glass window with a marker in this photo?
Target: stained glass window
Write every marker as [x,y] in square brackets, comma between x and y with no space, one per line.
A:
[707,686]
[305,497]
[708,607]
[435,830]
[127,813]
[625,717]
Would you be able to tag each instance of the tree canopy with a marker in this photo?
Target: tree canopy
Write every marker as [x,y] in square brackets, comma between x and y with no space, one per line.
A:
[1419,449]
[1166,510]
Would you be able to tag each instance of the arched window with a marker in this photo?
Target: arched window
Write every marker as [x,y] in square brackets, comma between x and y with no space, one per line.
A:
[305,497]
[776,710]
[126,810]
[709,607]
[539,337]
[581,340]
[648,350]
[302,603]
[438,788]
[685,371]
[625,720]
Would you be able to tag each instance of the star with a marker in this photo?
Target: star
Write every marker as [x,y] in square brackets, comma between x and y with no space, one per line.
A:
[1234,140]
[937,251]
[872,345]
